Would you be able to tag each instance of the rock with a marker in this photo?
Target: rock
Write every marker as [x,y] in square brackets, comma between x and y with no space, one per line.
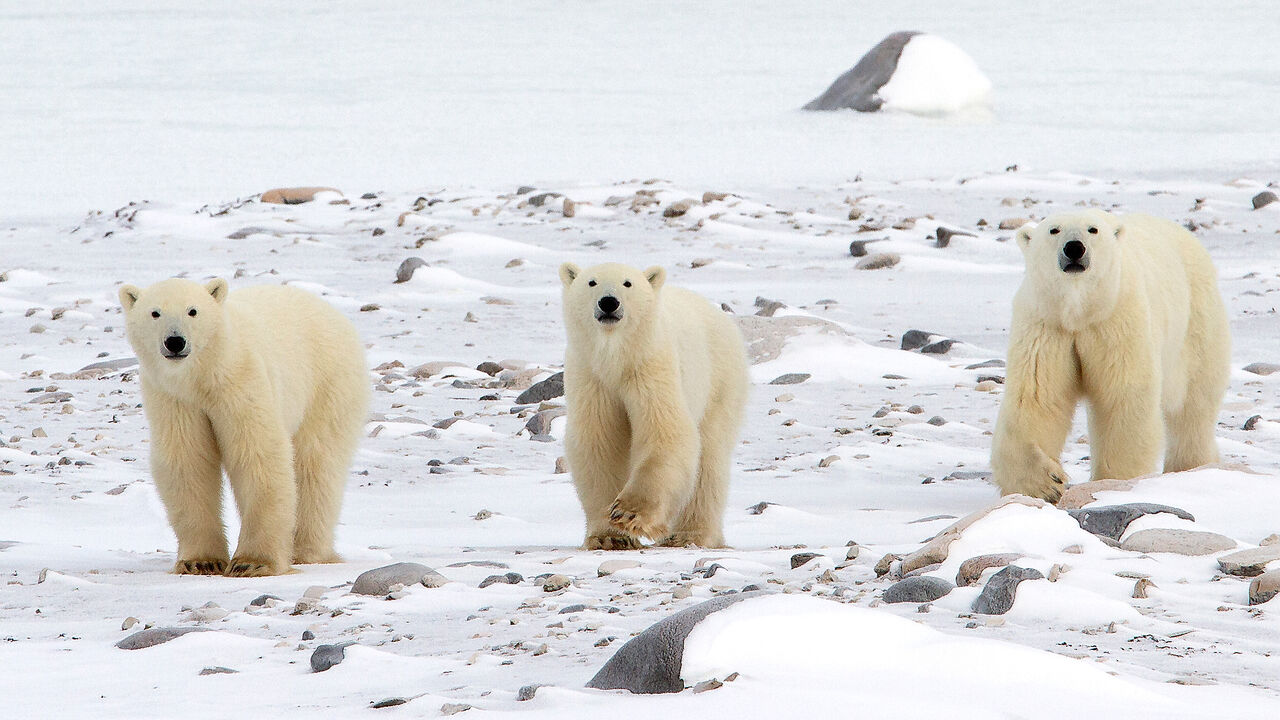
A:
[405,272]
[326,656]
[858,248]
[1263,199]
[1249,563]
[218,670]
[562,465]
[109,365]
[1180,542]
[1252,422]
[50,398]
[828,461]
[155,636]
[918,589]
[945,234]
[245,232]
[998,594]
[678,208]
[378,581]
[1112,520]
[293,196]
[790,379]
[556,582]
[885,564]
[765,337]
[540,422]
[916,339]
[935,551]
[454,708]
[609,567]
[511,578]
[570,208]
[527,692]
[937,421]
[490,368]
[1264,587]
[1140,588]
[261,600]
[1268,541]
[768,307]
[651,661]
[541,198]
[1077,496]
[389,702]
[1261,368]
[1013,223]
[129,622]
[434,367]
[801,559]
[552,387]
[308,635]
[208,613]
[971,570]
[859,87]
[878,261]
[941,347]
[434,579]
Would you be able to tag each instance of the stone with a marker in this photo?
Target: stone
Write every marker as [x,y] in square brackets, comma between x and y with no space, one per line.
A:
[562,465]
[790,379]
[801,559]
[1112,520]
[859,87]
[916,339]
[155,636]
[490,368]
[389,702]
[308,635]
[1268,541]
[678,208]
[858,248]
[917,589]
[541,198]
[218,670]
[50,398]
[527,692]
[1264,587]
[945,234]
[261,600]
[1252,422]
[885,564]
[378,581]
[511,578]
[998,594]
[405,272]
[937,421]
[1261,368]
[1263,199]
[936,550]
[454,708]
[555,583]
[1177,541]
[326,656]
[1249,563]
[971,570]
[129,622]
[828,460]
[1013,223]
[294,195]
[245,232]
[540,422]
[609,567]
[110,365]
[207,614]
[651,662]
[552,387]
[941,347]
[878,261]
[1077,496]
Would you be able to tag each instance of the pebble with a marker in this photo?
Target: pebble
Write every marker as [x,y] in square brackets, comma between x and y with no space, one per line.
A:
[261,600]
[511,578]
[790,379]
[1252,422]
[941,347]
[828,460]
[678,208]
[971,570]
[326,656]
[878,261]
[155,636]
[562,465]
[858,248]
[1263,199]
[1268,541]
[1261,368]
[945,234]
[378,581]
[1177,541]
[389,702]
[1013,223]
[885,564]
[1140,588]
[527,692]
[1249,563]
[405,272]
[308,635]
[552,387]
[293,195]
[556,582]
[916,339]
[801,559]
[918,589]
[454,708]
[609,567]
[209,613]
[936,421]
[998,594]
[852,552]
[540,422]
[128,622]
[1264,587]
[681,593]
[1112,520]
[218,670]
[490,368]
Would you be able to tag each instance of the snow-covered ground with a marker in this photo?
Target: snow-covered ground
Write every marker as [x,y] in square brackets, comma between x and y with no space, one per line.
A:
[134,138]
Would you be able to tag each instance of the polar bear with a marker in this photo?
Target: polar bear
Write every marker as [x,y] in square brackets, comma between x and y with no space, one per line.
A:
[268,382]
[656,386]
[1124,312]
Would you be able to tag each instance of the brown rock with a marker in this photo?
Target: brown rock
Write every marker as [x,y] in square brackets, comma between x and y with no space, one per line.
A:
[1249,563]
[1013,223]
[1177,541]
[935,551]
[1264,587]
[971,570]
[878,261]
[294,196]
[1077,496]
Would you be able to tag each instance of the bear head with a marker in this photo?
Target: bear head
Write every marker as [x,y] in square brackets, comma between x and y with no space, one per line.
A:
[173,324]
[1073,265]
[610,298]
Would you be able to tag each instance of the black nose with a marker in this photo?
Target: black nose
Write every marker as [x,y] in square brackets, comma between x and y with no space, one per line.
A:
[175,344]
[608,303]
[1074,250]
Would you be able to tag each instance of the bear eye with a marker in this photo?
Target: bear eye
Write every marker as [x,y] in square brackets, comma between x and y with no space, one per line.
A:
[1093,231]
[626,283]
[591,283]
[192,312]
[155,313]
[1054,231]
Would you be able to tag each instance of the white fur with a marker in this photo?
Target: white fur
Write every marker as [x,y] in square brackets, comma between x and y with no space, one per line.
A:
[1141,336]
[275,391]
[654,406]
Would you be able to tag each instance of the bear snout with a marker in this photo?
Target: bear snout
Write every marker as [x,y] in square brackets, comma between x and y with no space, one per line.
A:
[1072,258]
[175,347]
[608,310]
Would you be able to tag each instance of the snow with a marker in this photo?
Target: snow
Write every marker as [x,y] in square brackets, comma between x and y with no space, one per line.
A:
[934,77]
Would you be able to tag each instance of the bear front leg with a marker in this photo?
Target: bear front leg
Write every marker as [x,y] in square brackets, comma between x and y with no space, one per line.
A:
[1126,432]
[665,448]
[187,470]
[259,461]
[597,448]
[1041,389]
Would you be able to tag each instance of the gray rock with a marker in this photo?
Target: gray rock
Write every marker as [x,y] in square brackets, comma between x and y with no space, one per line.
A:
[917,589]
[556,582]
[540,199]
[245,232]
[858,248]
[389,702]
[790,379]
[945,234]
[490,368]
[651,661]
[261,600]
[1112,520]
[308,635]
[552,387]
[540,422]
[511,578]
[326,656]
[998,594]
[218,670]
[1249,563]
[885,564]
[801,559]
[1264,587]
[405,272]
[937,420]
[985,364]
[378,581]
[109,365]
[916,339]
[1252,422]
[878,261]
[1263,199]
[939,347]
[51,397]
[1180,542]
[858,88]
[454,708]
[971,570]
[1261,368]
[155,636]
[527,692]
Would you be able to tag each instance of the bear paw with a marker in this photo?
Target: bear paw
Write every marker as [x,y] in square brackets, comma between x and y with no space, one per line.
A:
[638,517]
[200,566]
[693,539]
[1040,477]
[244,566]
[611,541]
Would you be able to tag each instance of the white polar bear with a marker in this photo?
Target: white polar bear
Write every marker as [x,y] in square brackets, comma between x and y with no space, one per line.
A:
[656,386]
[268,382]
[1124,312]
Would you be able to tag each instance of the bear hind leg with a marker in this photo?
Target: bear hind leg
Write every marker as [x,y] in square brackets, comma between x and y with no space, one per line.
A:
[1190,436]
[320,469]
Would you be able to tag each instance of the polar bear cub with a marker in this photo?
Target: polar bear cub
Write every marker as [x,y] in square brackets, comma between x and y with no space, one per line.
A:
[267,382]
[656,386]
[1124,312]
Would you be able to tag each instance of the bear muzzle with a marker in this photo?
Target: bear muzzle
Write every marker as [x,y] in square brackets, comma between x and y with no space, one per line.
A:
[175,347]
[1072,258]
[608,310]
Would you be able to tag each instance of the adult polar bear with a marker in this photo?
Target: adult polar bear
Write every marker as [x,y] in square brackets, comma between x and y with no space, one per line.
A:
[1123,311]
[656,384]
[269,382]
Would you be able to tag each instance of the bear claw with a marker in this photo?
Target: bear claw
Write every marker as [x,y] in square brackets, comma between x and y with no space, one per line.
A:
[635,522]
[611,541]
[248,567]
[201,566]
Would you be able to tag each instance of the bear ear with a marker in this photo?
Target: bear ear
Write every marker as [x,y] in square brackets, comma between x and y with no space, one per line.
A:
[217,287]
[656,276]
[129,296]
[1023,235]
[568,272]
